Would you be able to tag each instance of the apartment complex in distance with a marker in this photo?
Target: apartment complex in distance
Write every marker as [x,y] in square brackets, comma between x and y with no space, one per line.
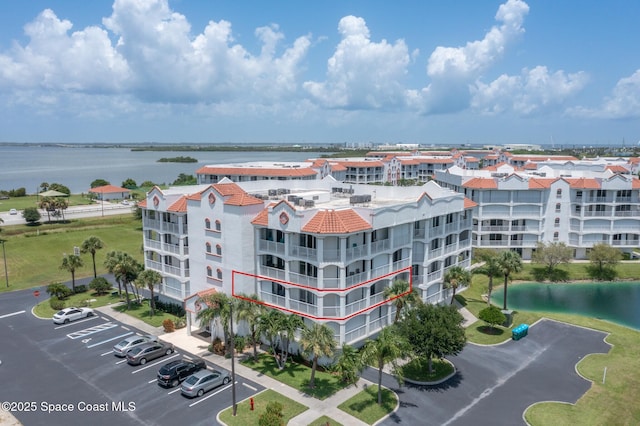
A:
[580,203]
[322,249]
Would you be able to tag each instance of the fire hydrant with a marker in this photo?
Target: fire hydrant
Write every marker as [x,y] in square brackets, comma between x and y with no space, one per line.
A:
[251,403]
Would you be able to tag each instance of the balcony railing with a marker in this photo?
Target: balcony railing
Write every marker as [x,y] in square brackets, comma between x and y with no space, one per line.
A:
[272,272]
[597,213]
[332,282]
[273,299]
[433,276]
[356,306]
[331,311]
[154,244]
[380,246]
[331,255]
[356,252]
[626,213]
[299,306]
[354,279]
[418,233]
[355,334]
[435,252]
[303,279]
[304,252]
[271,246]
[625,243]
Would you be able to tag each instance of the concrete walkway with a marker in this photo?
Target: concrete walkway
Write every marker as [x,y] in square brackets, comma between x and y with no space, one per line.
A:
[317,408]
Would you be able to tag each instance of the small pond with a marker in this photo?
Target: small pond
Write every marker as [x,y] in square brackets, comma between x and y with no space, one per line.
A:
[615,302]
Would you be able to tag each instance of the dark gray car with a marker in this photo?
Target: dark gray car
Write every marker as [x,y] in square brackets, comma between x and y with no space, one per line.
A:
[147,352]
[203,381]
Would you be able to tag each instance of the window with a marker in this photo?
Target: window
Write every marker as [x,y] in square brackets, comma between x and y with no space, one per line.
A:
[308,241]
[218,226]
[218,249]
[435,221]
[219,273]
[578,194]
[435,244]
[556,223]
[556,235]
[557,207]
[207,224]
[277,289]
[578,209]
[559,193]
[450,218]
[209,271]
[208,247]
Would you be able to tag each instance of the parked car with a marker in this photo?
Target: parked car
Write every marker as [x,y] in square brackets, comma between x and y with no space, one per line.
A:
[131,342]
[13,211]
[203,381]
[72,314]
[174,372]
[147,352]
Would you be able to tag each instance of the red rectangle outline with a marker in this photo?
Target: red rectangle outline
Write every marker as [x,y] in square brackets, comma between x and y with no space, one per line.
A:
[313,317]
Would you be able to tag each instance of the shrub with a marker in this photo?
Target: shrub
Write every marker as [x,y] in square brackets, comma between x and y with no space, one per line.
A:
[100,285]
[59,290]
[217,347]
[492,316]
[240,342]
[81,288]
[56,304]
[169,326]
[180,322]
[604,274]
[170,308]
[272,415]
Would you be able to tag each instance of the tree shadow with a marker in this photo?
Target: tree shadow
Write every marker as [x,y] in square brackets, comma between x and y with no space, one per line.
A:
[487,329]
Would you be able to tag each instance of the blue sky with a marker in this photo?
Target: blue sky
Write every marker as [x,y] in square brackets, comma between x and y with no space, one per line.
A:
[201,71]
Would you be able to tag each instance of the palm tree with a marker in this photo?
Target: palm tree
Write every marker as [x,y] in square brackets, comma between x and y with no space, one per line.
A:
[61,204]
[125,268]
[71,262]
[250,312]
[490,269]
[149,279]
[46,204]
[113,258]
[289,324]
[456,276]
[92,245]
[317,341]
[401,295]
[349,364]
[218,307]
[269,327]
[508,262]
[388,347]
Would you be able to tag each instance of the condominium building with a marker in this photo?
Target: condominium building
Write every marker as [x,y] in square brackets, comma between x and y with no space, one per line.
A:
[580,204]
[321,249]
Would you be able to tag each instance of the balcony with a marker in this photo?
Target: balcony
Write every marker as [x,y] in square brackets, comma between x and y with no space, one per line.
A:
[303,252]
[271,246]
[331,311]
[356,252]
[433,276]
[273,299]
[435,252]
[491,228]
[380,246]
[272,272]
[354,278]
[301,279]
[331,255]
[402,263]
[355,334]
[332,282]
[450,248]
[625,243]
[356,306]
[626,213]
[494,243]
[418,233]
[153,244]
[376,298]
[299,306]
[603,213]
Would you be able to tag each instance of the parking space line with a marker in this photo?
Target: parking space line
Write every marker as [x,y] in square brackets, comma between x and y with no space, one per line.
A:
[120,362]
[187,357]
[155,363]
[91,330]
[250,387]
[174,391]
[107,353]
[75,322]
[209,396]
[151,381]
[110,340]
[11,314]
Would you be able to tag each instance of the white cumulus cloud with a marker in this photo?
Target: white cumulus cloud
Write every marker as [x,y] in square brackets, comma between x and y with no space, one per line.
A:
[362,74]
[624,102]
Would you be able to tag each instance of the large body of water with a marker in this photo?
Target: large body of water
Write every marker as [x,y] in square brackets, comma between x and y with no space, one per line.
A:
[615,302]
[27,167]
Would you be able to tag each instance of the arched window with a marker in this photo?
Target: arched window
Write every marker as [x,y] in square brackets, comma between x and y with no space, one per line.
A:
[218,226]
[556,235]
[218,249]
[208,247]
[219,273]
[557,222]
[207,224]
[557,207]
[209,271]
[559,193]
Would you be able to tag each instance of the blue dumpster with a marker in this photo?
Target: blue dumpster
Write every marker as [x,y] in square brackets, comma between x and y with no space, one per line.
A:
[519,332]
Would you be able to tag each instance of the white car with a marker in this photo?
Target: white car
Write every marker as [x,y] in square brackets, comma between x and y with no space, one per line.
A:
[72,314]
[13,211]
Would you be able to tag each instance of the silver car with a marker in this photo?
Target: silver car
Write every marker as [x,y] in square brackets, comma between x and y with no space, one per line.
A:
[148,351]
[72,314]
[131,342]
[203,381]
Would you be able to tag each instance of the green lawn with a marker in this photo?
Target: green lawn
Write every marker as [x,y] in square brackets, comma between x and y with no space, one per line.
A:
[297,376]
[418,369]
[578,271]
[34,254]
[44,310]
[21,203]
[142,312]
[246,417]
[364,405]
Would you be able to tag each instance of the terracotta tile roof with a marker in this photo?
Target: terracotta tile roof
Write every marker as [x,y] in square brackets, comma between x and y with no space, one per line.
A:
[617,168]
[256,171]
[634,160]
[338,168]
[469,204]
[226,189]
[108,189]
[494,168]
[471,160]
[635,183]
[336,222]
[195,197]
[142,204]
[480,183]
[538,158]
[583,183]
[408,161]
[531,166]
[262,218]
[435,160]
[537,183]
[243,199]
[362,163]
[179,206]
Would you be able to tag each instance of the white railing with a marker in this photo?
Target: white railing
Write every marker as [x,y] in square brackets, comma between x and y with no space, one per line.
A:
[418,233]
[356,306]
[273,299]
[377,324]
[329,255]
[303,279]
[299,306]
[376,298]
[379,246]
[152,264]
[450,248]
[356,251]
[331,311]
[354,279]
[435,252]
[305,252]
[434,276]
[597,213]
[331,282]
[271,246]
[402,263]
[272,272]
[153,244]
[626,213]
[355,334]
[625,243]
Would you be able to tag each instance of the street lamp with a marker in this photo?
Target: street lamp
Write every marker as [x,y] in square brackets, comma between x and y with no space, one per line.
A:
[233,363]
[4,256]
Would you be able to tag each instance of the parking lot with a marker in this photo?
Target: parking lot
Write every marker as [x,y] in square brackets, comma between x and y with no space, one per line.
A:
[67,374]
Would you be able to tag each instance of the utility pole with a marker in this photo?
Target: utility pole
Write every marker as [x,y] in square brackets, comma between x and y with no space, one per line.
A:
[4,256]
[233,364]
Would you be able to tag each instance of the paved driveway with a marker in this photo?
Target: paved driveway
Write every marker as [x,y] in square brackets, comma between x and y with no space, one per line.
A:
[495,384]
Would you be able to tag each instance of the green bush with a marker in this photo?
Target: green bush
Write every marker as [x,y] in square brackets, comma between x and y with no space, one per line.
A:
[604,274]
[56,304]
[59,290]
[170,308]
[100,285]
[81,288]
[272,415]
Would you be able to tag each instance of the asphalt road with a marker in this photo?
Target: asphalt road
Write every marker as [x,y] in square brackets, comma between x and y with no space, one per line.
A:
[74,212]
[494,385]
[61,368]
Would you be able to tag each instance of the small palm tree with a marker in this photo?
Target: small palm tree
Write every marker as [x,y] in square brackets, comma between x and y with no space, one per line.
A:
[456,276]
[317,341]
[349,364]
[289,324]
[399,292]
[269,327]
[250,312]
[125,268]
[113,259]
[490,269]
[218,308]
[150,279]
[388,347]
[70,263]
[92,245]
[509,262]
[46,204]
